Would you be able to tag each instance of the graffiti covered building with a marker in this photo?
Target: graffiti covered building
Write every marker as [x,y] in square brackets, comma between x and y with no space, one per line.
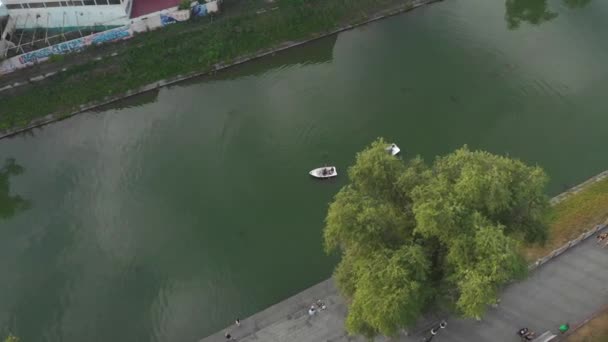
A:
[26,54]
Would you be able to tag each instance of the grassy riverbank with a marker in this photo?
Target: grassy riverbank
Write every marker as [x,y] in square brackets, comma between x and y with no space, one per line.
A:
[181,49]
[595,330]
[573,216]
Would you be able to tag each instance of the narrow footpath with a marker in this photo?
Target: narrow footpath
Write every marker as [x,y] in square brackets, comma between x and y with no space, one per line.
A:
[566,289]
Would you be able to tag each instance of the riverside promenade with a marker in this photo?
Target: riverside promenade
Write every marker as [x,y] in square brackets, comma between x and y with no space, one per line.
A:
[566,289]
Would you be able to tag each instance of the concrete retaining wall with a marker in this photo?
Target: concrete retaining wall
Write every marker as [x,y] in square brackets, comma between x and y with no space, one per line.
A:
[576,189]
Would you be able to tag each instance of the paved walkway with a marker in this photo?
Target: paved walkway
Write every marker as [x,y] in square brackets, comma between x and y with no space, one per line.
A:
[566,289]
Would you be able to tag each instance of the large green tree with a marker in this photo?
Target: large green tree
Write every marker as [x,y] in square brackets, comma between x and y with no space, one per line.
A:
[413,234]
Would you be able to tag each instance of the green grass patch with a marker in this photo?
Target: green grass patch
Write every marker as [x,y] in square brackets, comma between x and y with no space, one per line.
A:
[573,216]
[180,49]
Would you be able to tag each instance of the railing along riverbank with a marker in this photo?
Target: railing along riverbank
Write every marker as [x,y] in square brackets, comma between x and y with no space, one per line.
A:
[53,117]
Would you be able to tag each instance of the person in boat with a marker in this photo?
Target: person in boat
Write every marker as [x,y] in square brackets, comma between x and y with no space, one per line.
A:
[324,172]
[331,170]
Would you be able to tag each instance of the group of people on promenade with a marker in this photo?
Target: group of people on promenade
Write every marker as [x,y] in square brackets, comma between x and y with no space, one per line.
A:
[318,306]
[228,336]
[603,239]
[526,334]
[314,308]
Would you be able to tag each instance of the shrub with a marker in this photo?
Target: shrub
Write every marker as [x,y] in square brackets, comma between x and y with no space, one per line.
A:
[184,5]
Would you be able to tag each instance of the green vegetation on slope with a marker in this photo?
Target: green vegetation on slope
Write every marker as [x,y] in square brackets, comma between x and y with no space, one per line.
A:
[573,216]
[181,49]
[413,235]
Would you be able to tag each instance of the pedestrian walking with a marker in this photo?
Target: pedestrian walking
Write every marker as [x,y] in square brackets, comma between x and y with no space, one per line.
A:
[312,310]
[237,322]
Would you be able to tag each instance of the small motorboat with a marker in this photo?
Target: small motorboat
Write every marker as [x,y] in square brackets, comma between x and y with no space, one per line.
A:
[324,172]
[393,149]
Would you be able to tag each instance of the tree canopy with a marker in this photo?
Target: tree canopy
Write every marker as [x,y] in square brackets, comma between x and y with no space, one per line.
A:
[413,234]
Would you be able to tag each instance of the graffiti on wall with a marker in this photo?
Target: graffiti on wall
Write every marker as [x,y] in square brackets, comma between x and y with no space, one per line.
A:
[199,10]
[6,67]
[76,45]
[110,36]
[58,49]
[166,19]
[143,24]
[172,18]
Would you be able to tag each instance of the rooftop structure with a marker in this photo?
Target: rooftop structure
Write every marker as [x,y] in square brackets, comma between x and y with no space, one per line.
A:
[68,15]
[143,7]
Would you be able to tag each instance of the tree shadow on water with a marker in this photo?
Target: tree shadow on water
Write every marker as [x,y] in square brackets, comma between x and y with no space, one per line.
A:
[576,3]
[535,12]
[10,204]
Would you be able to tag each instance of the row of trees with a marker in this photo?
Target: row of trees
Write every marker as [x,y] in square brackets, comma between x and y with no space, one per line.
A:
[414,235]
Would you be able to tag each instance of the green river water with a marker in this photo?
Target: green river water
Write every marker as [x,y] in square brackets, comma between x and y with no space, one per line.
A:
[166,216]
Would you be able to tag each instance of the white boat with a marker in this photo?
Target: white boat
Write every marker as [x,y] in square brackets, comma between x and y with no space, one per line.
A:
[324,172]
[393,149]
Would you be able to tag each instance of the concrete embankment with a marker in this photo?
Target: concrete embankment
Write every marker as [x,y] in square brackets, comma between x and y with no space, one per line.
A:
[566,289]
[406,6]
[289,320]
[567,286]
